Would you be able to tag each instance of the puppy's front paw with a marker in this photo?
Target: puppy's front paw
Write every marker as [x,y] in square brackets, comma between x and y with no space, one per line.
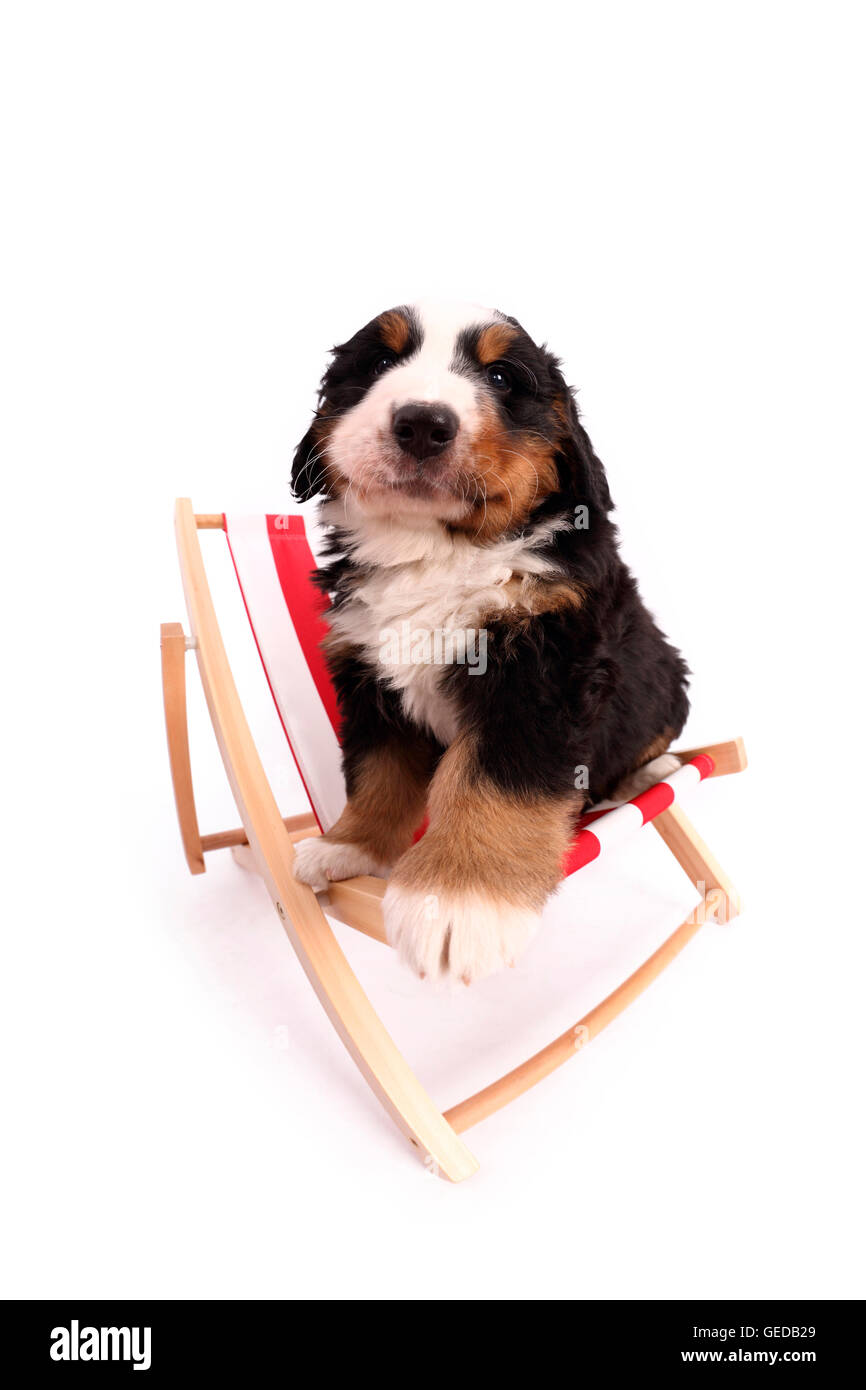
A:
[319,862]
[462,934]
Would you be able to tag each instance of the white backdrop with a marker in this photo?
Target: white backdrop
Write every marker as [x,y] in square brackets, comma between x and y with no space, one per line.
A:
[201,199]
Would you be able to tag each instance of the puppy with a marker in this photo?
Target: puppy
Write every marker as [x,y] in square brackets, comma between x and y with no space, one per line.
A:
[467,510]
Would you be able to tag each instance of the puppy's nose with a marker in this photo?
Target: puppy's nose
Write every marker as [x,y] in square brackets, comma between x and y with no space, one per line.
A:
[424,430]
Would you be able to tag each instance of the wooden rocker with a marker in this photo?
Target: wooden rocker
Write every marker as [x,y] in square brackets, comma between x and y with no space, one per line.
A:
[274,562]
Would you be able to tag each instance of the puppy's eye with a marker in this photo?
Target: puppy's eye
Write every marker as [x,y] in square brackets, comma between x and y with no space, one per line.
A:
[383,363]
[498,377]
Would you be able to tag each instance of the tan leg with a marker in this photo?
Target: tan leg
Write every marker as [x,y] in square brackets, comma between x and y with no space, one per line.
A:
[388,800]
[467,898]
[386,805]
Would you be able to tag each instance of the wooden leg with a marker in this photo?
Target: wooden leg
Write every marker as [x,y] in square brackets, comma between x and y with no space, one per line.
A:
[173,648]
[346,1004]
[720,897]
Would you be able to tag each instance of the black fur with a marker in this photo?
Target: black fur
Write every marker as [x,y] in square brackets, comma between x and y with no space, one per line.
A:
[568,690]
[588,686]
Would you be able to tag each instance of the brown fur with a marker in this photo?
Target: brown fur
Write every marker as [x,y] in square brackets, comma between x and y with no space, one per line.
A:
[394,330]
[512,478]
[528,595]
[494,341]
[483,840]
[387,799]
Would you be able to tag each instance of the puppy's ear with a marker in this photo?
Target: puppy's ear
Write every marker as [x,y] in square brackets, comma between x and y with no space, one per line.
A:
[588,470]
[584,470]
[308,468]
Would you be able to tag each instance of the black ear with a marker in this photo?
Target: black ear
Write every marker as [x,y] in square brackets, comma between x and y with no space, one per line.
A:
[583,470]
[308,469]
[590,479]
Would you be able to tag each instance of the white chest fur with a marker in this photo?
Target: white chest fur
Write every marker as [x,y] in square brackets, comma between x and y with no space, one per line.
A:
[423,604]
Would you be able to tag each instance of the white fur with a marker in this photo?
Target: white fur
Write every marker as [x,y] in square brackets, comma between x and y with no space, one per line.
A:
[434,581]
[319,862]
[477,934]
[426,376]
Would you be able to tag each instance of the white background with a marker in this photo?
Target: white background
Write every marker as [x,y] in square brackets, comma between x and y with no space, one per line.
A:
[200,200]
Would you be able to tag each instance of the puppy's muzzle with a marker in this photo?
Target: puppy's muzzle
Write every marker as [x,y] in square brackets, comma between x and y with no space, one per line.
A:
[424,431]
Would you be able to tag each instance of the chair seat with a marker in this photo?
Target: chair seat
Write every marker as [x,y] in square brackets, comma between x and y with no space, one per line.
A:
[275,560]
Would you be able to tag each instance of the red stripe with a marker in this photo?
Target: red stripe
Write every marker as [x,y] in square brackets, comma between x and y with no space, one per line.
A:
[585,846]
[704,763]
[268,678]
[583,849]
[653,801]
[306,603]
[589,816]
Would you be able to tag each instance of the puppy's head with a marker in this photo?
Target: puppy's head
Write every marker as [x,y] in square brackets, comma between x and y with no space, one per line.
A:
[451,413]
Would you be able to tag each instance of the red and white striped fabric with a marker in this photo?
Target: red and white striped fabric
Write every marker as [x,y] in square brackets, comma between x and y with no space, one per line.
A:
[604,829]
[274,559]
[274,565]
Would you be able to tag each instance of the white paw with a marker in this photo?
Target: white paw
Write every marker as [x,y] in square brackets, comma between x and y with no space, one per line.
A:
[319,862]
[465,935]
[646,777]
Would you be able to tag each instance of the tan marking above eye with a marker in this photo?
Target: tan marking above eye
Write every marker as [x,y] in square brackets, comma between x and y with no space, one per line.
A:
[394,329]
[494,341]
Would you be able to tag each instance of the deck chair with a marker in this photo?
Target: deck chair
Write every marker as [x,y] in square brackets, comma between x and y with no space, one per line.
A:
[274,562]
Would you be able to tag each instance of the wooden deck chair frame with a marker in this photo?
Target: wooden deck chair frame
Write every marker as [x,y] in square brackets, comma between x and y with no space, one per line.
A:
[268,840]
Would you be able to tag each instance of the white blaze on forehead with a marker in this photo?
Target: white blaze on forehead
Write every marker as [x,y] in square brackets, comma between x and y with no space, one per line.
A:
[427,375]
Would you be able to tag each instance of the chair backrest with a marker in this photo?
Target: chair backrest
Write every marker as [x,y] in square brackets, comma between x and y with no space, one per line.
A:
[274,563]
[274,559]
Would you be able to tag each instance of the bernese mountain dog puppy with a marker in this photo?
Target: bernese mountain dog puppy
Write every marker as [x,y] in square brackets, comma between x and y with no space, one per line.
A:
[496,669]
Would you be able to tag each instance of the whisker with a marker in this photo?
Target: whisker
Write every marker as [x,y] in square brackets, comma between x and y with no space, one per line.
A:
[507,489]
[516,455]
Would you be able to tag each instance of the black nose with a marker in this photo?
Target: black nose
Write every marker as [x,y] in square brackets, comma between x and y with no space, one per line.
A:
[425,430]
